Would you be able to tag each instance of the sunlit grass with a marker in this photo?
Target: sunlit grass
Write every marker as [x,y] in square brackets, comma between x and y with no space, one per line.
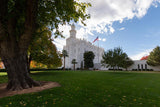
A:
[3,73]
[91,89]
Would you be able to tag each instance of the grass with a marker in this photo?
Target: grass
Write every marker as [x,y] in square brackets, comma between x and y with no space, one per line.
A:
[3,73]
[91,89]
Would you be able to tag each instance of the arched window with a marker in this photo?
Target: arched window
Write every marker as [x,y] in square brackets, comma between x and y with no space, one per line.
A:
[142,67]
[145,66]
[138,67]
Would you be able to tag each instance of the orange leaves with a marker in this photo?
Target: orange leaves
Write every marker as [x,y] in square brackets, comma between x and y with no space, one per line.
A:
[1,65]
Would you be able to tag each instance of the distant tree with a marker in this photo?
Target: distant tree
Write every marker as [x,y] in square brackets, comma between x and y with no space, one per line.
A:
[65,54]
[154,57]
[115,58]
[108,59]
[88,59]
[118,56]
[74,62]
[126,61]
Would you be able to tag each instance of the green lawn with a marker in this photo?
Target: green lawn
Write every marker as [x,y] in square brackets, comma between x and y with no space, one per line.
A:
[91,89]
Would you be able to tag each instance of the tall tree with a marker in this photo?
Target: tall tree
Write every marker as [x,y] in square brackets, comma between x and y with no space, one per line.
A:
[108,59]
[88,59]
[126,61]
[19,20]
[65,54]
[74,62]
[154,57]
[116,58]
[42,50]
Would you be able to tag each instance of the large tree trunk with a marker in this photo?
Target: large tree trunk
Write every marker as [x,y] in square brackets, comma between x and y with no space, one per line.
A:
[18,76]
[14,45]
[29,59]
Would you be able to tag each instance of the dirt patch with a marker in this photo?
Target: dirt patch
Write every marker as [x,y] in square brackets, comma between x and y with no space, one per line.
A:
[44,85]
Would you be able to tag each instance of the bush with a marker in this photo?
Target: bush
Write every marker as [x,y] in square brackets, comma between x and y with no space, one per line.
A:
[133,69]
[2,70]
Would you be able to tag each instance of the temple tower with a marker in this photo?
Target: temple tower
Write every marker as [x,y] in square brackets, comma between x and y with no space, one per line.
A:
[73,31]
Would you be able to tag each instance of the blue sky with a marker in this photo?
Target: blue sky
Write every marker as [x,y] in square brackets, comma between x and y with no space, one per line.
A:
[134,26]
[139,36]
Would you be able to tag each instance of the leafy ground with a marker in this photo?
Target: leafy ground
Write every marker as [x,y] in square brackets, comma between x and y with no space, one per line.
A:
[91,89]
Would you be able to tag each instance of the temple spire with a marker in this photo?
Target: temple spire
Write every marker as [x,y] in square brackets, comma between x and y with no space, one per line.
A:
[73,31]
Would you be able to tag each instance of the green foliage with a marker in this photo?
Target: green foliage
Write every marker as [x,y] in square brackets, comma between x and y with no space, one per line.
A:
[64,53]
[88,59]
[91,89]
[116,58]
[74,61]
[154,57]
[42,49]
[50,13]
[61,12]
[127,62]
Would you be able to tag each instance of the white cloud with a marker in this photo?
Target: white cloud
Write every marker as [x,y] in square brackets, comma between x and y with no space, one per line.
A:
[59,42]
[122,28]
[111,29]
[141,54]
[102,39]
[105,12]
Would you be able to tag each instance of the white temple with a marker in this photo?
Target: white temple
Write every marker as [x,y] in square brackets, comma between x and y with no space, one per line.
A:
[76,48]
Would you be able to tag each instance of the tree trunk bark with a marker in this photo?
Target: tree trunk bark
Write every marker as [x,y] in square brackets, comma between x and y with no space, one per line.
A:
[74,67]
[29,59]
[64,64]
[14,45]
[18,76]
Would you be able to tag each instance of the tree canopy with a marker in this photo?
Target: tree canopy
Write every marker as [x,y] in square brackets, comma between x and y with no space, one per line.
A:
[116,58]
[154,57]
[64,54]
[74,62]
[19,22]
[88,59]
[42,50]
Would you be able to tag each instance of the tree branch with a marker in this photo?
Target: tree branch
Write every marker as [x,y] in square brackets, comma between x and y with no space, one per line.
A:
[3,9]
[3,16]
[30,22]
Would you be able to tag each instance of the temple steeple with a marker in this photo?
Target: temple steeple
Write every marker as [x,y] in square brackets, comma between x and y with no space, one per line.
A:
[73,31]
